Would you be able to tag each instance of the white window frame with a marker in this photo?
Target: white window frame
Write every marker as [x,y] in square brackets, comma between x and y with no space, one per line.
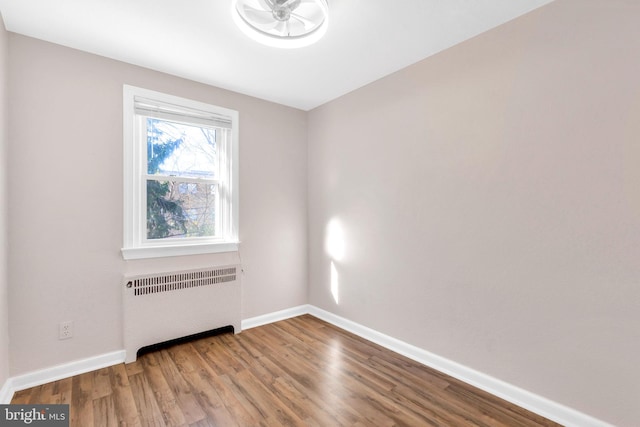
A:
[136,245]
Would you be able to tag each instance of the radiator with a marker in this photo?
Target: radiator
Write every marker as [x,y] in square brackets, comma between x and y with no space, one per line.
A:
[168,306]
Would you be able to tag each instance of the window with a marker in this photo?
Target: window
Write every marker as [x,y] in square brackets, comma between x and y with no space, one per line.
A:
[181,176]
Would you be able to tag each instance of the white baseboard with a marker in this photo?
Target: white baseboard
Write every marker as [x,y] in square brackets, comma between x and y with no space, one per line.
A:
[6,392]
[530,401]
[65,370]
[265,319]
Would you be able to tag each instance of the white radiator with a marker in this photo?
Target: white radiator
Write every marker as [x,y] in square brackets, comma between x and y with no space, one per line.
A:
[168,306]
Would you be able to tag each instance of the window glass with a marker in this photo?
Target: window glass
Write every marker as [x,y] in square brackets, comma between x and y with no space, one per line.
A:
[178,149]
[179,209]
[181,173]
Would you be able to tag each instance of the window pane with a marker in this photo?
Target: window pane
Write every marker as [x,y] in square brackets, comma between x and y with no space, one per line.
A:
[178,149]
[180,209]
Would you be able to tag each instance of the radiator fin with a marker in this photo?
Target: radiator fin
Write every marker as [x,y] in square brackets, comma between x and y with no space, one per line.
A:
[173,282]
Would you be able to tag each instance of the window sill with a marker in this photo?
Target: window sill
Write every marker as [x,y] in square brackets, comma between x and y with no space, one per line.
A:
[169,251]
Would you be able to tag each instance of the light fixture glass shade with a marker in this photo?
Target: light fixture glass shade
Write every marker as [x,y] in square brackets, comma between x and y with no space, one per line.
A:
[282,23]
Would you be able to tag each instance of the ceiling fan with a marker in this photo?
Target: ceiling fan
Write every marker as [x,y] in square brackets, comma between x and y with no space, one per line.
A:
[282,23]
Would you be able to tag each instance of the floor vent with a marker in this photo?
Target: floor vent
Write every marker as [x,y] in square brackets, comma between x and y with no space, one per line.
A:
[206,334]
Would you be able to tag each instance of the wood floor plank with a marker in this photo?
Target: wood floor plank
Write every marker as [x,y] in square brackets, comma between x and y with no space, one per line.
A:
[63,391]
[101,383]
[46,393]
[143,395]
[356,377]
[166,399]
[171,364]
[134,368]
[432,395]
[244,400]
[238,407]
[81,409]
[322,394]
[104,412]
[396,371]
[379,409]
[21,397]
[298,372]
[123,399]
[194,371]
[273,410]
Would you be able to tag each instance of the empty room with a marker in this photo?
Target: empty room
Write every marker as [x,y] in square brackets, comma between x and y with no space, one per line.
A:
[320,213]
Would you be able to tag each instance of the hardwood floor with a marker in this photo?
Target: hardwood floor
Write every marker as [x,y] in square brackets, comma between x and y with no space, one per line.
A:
[298,372]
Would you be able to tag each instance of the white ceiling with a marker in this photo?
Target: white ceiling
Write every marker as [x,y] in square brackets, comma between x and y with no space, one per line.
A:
[197,39]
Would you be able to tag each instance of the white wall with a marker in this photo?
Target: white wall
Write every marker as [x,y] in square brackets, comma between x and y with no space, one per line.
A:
[65,199]
[489,202]
[4,298]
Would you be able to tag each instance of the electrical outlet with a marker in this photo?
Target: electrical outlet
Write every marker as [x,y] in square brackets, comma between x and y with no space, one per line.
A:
[65,330]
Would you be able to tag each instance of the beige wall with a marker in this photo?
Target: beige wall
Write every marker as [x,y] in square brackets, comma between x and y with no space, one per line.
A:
[489,202]
[4,305]
[65,198]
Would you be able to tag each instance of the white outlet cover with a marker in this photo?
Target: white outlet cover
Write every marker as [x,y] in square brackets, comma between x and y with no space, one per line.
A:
[65,330]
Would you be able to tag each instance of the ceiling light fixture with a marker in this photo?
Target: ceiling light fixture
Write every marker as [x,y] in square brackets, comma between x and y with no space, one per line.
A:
[282,23]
